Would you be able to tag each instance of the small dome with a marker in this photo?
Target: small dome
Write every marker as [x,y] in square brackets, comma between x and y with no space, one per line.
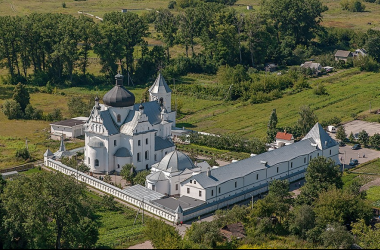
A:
[119,96]
[175,161]
[96,143]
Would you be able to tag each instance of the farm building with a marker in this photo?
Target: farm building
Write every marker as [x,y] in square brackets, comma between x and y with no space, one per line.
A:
[342,55]
[71,128]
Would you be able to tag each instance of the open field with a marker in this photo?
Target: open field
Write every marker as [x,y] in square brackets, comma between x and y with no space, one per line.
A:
[349,94]
[334,17]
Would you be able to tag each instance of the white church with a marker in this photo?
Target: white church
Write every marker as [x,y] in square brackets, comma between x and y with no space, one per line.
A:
[121,131]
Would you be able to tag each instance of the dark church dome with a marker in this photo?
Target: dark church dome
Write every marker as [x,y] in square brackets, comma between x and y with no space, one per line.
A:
[119,96]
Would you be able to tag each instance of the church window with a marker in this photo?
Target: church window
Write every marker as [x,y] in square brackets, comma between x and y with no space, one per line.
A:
[138,157]
[195,182]
[310,157]
[115,143]
[291,164]
[146,155]
[89,161]
[191,181]
[219,190]
[304,160]
[138,143]
[257,176]
[155,157]
[96,163]
[212,192]
[200,193]
[318,154]
[146,140]
[153,187]
[188,190]
[146,167]
[166,153]
[176,187]
[330,151]
[277,169]
[161,101]
[118,165]
[118,118]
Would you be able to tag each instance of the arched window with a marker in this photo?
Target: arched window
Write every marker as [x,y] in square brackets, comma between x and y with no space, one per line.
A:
[89,161]
[146,155]
[161,101]
[138,157]
[147,167]
[96,163]
[118,118]
[118,165]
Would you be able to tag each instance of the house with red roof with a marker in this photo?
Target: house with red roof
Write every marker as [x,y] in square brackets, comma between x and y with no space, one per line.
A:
[283,138]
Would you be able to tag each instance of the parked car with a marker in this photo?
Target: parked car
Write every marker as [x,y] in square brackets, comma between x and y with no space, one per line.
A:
[353,162]
[341,144]
[355,147]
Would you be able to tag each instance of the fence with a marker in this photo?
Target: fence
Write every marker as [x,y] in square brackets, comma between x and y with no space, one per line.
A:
[24,167]
[115,191]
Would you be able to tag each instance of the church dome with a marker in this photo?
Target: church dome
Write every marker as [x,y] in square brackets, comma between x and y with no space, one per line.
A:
[175,161]
[96,143]
[119,96]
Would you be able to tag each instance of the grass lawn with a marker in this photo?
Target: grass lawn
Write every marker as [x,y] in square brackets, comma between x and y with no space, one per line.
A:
[373,195]
[372,167]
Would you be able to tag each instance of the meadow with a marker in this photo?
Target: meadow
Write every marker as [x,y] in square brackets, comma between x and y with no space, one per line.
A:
[333,17]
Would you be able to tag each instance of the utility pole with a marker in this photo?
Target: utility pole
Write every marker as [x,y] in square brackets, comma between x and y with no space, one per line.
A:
[26,143]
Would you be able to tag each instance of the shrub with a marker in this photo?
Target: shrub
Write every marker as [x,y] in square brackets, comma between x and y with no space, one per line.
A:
[12,109]
[22,154]
[352,5]
[172,4]
[366,63]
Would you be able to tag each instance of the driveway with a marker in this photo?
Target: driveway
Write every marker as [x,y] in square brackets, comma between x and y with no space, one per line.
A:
[346,153]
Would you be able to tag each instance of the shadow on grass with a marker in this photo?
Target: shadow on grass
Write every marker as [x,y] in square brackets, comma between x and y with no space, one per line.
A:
[186,125]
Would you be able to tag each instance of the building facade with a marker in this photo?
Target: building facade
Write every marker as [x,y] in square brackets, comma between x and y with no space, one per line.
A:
[253,175]
[121,132]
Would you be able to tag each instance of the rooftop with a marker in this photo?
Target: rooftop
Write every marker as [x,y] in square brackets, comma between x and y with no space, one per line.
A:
[70,122]
[185,202]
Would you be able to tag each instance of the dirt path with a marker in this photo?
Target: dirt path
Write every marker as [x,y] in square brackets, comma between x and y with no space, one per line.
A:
[145,245]
[373,183]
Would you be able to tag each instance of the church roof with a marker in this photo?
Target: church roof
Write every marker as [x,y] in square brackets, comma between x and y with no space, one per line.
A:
[130,122]
[119,96]
[160,143]
[48,153]
[139,192]
[108,122]
[157,176]
[262,161]
[174,162]
[320,136]
[96,143]
[159,86]
[152,110]
[123,152]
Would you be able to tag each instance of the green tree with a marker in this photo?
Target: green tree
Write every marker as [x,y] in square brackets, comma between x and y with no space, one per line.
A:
[22,154]
[344,207]
[336,236]
[301,220]
[363,137]
[204,233]
[128,173]
[366,236]
[167,24]
[351,137]
[341,133]
[321,174]
[167,237]
[140,177]
[307,119]
[21,95]
[49,210]
[272,126]
[299,19]
[375,140]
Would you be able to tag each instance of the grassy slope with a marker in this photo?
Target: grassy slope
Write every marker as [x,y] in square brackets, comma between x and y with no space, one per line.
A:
[349,92]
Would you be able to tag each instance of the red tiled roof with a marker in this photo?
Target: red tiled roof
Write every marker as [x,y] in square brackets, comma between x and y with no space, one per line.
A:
[284,136]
